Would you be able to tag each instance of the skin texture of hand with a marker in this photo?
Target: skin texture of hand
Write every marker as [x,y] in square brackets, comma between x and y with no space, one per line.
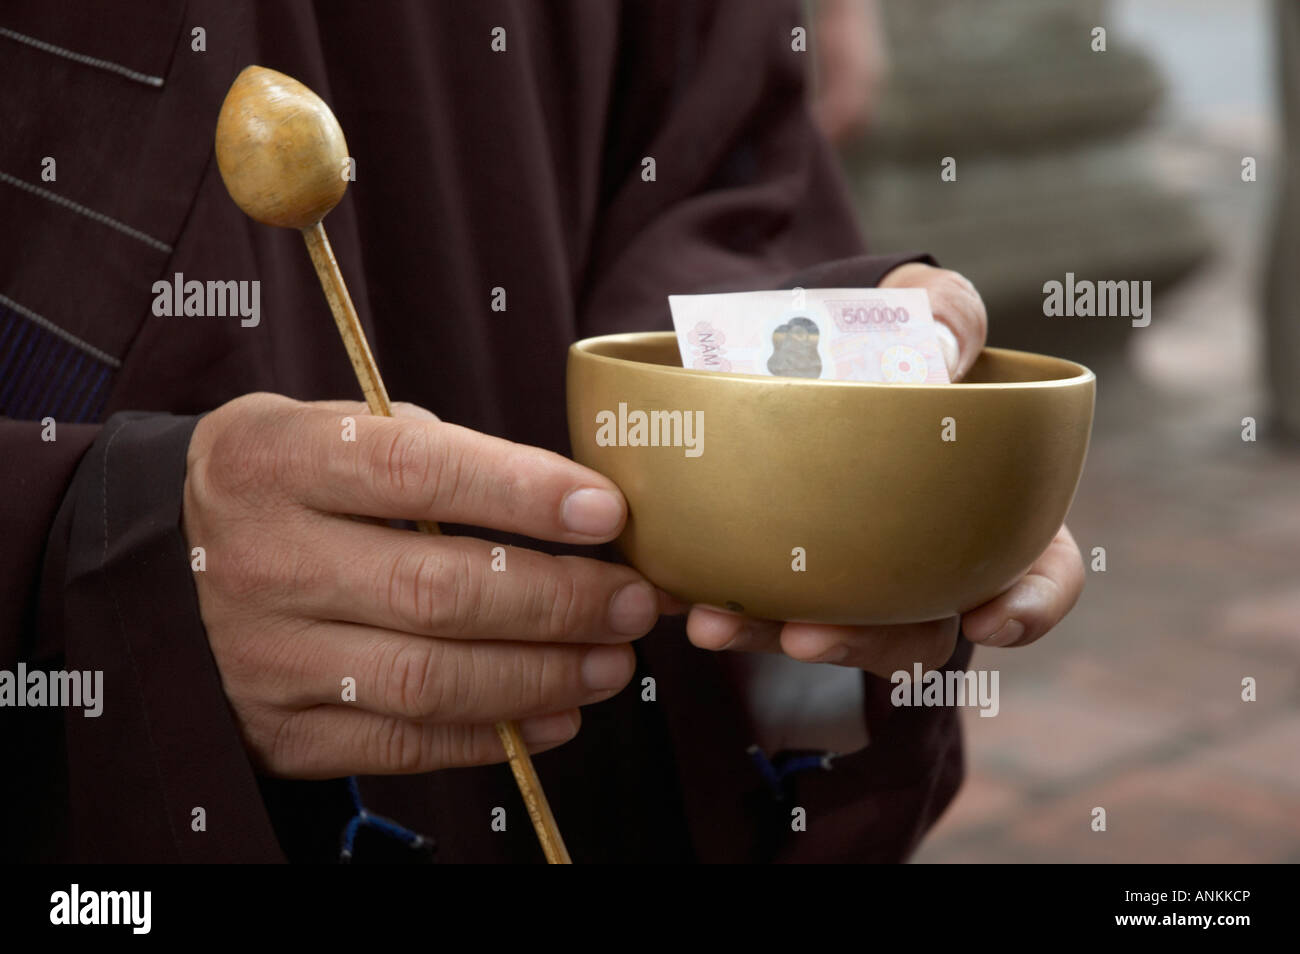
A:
[1021,615]
[298,595]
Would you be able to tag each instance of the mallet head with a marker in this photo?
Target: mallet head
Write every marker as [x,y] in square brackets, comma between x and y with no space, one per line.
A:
[280,150]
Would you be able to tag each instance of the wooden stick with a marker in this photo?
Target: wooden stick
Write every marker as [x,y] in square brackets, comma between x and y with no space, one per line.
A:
[367,372]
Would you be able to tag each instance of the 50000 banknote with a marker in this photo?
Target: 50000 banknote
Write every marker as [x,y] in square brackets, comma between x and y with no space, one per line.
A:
[884,335]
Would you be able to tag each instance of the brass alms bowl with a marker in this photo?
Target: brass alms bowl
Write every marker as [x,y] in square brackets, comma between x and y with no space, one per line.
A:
[853,482]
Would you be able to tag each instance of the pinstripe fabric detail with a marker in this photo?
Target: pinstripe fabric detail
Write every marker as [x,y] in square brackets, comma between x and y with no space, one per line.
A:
[54,329]
[82,58]
[44,375]
[88,212]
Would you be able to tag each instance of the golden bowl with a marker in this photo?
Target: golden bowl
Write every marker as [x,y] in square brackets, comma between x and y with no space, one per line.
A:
[831,501]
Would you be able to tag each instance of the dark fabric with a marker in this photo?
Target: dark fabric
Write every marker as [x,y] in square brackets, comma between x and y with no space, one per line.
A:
[475,170]
[39,371]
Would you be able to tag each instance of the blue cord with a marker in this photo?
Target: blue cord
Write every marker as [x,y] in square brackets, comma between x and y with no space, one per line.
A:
[385,826]
[775,774]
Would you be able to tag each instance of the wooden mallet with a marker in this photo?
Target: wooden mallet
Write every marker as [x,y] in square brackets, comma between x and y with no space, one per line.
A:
[284,161]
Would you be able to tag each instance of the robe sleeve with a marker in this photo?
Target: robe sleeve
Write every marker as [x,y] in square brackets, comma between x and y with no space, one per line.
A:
[100,581]
[715,177]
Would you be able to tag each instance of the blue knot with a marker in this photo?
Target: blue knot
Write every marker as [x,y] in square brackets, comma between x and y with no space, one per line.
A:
[776,771]
[364,817]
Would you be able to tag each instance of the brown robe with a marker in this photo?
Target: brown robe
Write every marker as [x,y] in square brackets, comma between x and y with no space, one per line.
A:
[475,170]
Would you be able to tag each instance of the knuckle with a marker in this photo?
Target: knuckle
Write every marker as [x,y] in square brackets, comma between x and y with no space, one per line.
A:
[273,738]
[467,748]
[454,480]
[400,744]
[283,750]
[430,592]
[247,450]
[238,460]
[467,684]
[413,673]
[404,459]
[197,499]
[531,675]
[559,604]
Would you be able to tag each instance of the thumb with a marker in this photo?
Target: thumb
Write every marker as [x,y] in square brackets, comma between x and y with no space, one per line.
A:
[948,347]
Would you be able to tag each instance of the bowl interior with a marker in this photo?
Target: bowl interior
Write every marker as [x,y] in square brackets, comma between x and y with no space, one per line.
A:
[994,366]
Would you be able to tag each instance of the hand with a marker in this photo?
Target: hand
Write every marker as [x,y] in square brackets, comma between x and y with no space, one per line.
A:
[297,598]
[1024,613]
[957,308]
[1021,615]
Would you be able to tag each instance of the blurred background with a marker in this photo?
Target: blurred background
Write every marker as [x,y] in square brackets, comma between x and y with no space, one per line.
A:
[1118,165]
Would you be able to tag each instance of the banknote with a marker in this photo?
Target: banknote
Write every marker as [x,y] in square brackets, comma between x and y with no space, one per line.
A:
[883,335]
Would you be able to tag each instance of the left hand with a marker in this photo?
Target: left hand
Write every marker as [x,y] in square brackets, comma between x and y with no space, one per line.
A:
[1017,617]
[957,308]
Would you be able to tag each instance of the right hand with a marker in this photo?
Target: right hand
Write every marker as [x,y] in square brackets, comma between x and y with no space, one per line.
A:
[296,597]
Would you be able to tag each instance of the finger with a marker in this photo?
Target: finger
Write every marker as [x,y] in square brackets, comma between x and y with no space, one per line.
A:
[670,605]
[958,308]
[410,411]
[424,470]
[1036,603]
[354,409]
[333,741]
[949,348]
[882,650]
[466,588]
[714,629]
[400,409]
[442,680]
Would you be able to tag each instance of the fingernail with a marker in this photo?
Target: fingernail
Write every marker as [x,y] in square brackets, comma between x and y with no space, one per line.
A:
[714,633]
[596,513]
[607,667]
[634,609]
[1010,632]
[743,635]
[545,730]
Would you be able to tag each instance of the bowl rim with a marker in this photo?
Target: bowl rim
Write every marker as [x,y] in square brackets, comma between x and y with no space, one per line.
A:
[584,346]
